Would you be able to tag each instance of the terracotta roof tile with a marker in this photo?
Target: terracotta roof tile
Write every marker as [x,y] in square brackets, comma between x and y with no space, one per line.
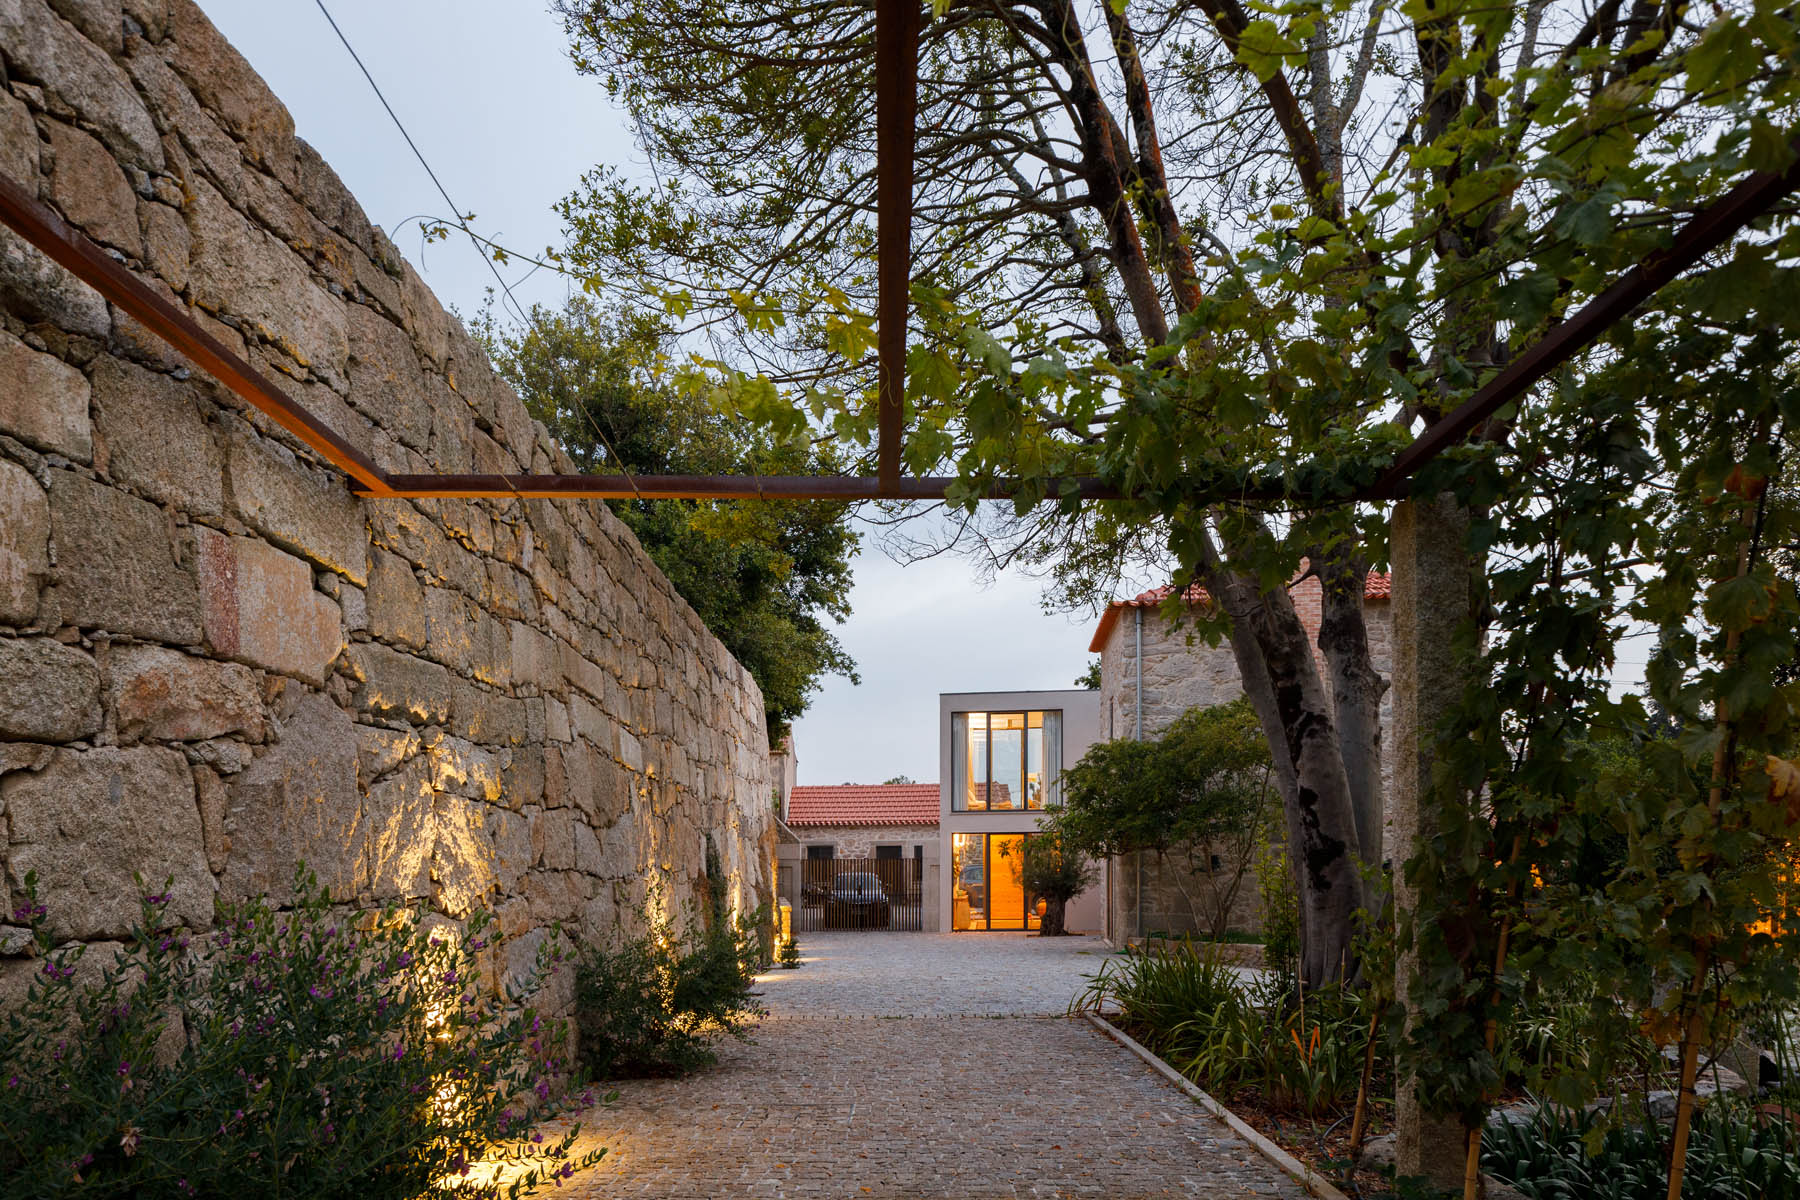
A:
[864,804]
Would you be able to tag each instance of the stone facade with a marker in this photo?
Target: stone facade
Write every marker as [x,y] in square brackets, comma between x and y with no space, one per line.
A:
[859,841]
[214,658]
[1181,671]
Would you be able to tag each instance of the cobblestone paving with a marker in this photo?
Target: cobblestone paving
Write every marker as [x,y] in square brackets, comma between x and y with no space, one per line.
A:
[882,1073]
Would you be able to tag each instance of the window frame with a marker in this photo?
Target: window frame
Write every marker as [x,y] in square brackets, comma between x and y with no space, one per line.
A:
[961,759]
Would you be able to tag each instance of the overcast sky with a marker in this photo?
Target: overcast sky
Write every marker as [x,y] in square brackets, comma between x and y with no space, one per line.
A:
[487,92]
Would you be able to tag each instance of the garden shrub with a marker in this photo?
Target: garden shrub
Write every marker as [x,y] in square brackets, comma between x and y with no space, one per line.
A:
[1733,1154]
[1300,1052]
[659,1003]
[304,1051]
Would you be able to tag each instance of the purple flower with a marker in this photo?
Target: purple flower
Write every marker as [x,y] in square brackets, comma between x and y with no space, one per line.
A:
[160,898]
[450,975]
[26,912]
[543,1089]
[124,1068]
[399,1051]
[58,972]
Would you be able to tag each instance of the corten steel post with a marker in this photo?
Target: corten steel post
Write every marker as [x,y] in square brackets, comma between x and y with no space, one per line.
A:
[896,104]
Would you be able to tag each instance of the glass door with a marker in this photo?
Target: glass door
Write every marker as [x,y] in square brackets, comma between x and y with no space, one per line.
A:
[1006,888]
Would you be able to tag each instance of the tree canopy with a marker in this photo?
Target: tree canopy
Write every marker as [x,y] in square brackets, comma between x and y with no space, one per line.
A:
[764,576]
[1206,249]
[1205,778]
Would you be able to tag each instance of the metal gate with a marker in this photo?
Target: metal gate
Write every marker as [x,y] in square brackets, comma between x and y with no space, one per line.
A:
[861,893]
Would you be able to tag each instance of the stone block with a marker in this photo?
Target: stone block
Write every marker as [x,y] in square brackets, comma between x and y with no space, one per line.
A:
[209,790]
[402,833]
[43,401]
[154,438]
[164,695]
[402,528]
[90,819]
[395,601]
[227,85]
[535,657]
[511,833]
[620,853]
[523,781]
[488,717]
[449,628]
[91,190]
[298,802]
[385,379]
[396,685]
[167,244]
[36,290]
[20,150]
[462,857]
[553,839]
[51,691]
[465,769]
[382,751]
[24,544]
[588,857]
[117,566]
[46,49]
[100,21]
[244,272]
[261,608]
[310,512]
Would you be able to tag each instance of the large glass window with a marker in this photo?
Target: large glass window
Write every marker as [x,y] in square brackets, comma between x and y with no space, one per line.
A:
[1004,761]
[987,890]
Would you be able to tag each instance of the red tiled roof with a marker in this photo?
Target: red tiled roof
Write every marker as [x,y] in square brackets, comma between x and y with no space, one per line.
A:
[1377,586]
[864,804]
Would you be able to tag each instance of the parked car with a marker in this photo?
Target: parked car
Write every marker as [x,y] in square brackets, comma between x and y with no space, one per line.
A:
[857,901]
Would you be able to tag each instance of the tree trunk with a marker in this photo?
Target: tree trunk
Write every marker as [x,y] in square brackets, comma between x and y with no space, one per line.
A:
[1282,682]
[1054,920]
[1356,691]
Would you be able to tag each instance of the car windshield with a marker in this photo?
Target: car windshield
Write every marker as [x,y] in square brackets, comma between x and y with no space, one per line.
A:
[856,881]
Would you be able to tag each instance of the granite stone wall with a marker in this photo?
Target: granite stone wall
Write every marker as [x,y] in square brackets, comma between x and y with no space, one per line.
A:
[214,658]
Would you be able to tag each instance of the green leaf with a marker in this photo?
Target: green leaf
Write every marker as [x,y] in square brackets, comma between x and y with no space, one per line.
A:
[1588,222]
[1261,46]
[1723,59]
[1526,299]
[1769,149]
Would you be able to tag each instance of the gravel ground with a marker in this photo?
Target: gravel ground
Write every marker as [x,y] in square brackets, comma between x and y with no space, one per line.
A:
[882,1071]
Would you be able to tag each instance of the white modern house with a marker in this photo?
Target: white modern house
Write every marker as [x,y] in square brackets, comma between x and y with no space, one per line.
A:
[1001,756]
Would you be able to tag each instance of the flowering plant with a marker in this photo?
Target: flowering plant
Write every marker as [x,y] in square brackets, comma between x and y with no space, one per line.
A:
[310,1050]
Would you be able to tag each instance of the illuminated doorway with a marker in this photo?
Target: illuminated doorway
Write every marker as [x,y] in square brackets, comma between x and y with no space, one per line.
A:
[987,891]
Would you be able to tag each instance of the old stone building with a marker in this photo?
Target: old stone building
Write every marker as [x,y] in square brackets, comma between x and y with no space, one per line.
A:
[215,659]
[1152,671]
[898,820]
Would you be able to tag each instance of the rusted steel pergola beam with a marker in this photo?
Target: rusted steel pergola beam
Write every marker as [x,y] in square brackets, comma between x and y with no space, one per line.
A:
[70,248]
[1708,230]
[706,487]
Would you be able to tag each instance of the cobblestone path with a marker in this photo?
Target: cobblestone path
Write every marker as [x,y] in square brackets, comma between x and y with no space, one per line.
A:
[899,1066]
